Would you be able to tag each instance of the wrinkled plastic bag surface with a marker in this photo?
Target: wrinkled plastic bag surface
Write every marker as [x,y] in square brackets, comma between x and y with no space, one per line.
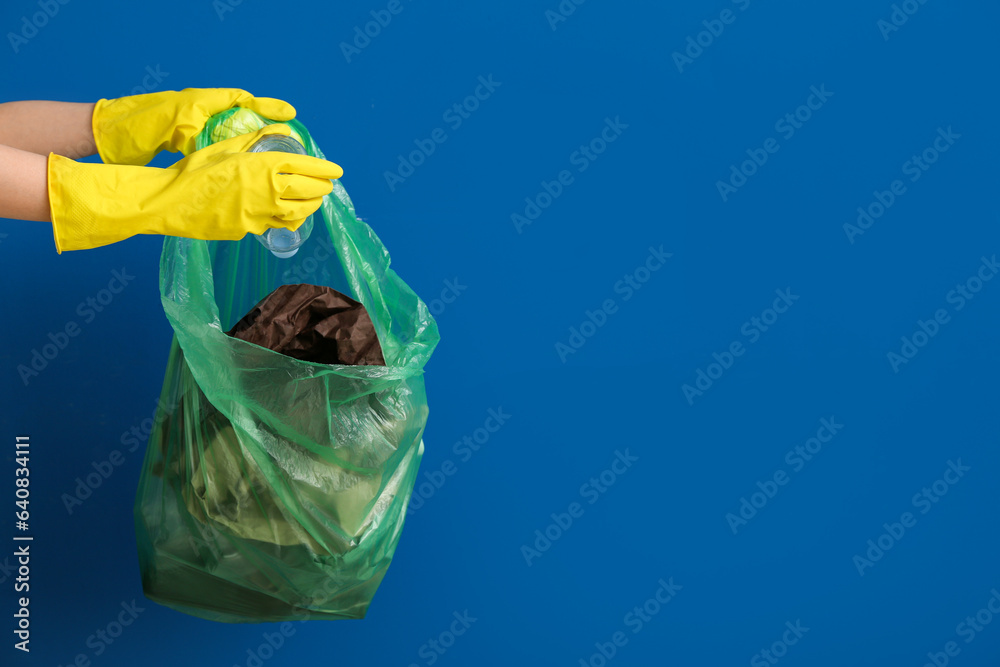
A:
[274,488]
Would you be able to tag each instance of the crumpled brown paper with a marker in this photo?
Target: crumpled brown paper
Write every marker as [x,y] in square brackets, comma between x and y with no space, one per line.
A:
[312,323]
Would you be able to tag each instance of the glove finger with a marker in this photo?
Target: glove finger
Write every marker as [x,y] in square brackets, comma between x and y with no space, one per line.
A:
[243,142]
[195,106]
[277,223]
[221,99]
[295,186]
[293,212]
[210,101]
[271,108]
[307,165]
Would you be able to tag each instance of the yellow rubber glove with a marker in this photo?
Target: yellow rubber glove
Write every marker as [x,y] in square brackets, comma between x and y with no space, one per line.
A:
[217,193]
[133,130]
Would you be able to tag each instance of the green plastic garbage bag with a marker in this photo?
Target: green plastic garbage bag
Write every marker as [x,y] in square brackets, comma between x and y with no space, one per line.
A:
[275,488]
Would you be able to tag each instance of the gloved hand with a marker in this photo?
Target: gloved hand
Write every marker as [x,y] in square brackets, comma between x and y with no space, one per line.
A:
[220,192]
[133,130]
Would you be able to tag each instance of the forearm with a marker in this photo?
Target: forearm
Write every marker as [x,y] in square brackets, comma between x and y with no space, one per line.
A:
[44,127]
[23,185]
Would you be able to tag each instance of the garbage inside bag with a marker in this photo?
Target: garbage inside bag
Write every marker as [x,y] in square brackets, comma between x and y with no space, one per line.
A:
[312,323]
[283,453]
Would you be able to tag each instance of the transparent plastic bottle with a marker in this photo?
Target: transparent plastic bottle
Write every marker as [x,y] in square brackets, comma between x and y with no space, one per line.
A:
[283,243]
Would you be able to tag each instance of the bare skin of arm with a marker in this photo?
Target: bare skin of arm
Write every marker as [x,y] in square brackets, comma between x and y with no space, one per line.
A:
[63,128]
[24,191]
[29,131]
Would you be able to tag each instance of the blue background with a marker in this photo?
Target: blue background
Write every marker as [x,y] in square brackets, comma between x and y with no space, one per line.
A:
[656,184]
